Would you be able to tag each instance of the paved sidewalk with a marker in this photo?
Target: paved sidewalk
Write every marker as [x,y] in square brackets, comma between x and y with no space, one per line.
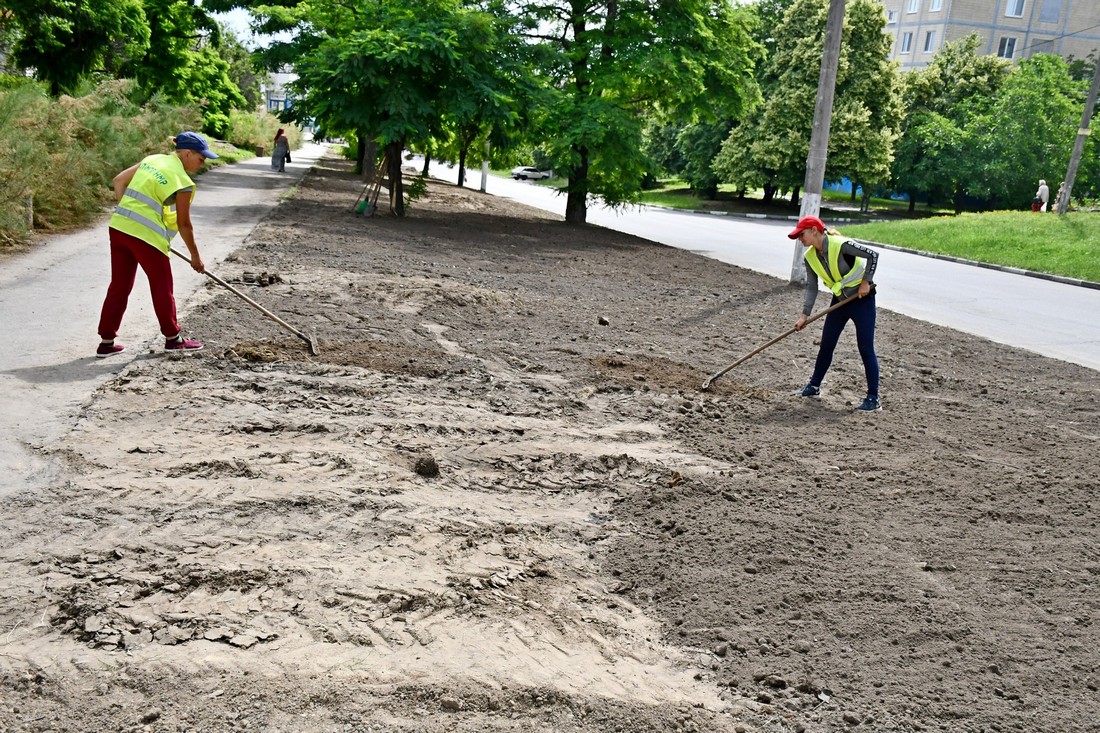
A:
[50,298]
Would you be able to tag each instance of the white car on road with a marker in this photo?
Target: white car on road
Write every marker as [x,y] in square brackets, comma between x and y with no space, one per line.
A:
[527,173]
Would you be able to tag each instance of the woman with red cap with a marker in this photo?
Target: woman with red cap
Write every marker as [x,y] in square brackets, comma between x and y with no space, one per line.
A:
[847,268]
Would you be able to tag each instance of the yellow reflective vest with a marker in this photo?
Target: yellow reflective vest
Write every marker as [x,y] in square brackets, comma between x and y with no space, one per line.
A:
[830,273]
[148,206]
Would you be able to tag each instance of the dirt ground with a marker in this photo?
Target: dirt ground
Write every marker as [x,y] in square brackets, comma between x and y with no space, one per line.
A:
[498,501]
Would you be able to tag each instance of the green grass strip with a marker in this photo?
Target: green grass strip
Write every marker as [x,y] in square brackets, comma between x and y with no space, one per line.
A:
[1066,245]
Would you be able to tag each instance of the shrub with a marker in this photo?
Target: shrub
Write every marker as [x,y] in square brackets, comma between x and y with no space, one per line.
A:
[58,156]
[252,130]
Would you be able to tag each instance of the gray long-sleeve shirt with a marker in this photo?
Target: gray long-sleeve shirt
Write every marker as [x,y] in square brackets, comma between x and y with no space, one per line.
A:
[849,250]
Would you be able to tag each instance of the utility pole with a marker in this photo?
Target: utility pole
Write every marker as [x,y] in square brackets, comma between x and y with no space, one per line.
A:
[819,136]
[485,167]
[1079,144]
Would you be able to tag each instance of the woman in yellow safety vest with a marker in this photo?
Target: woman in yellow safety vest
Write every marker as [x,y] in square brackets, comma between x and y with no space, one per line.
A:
[154,204]
[847,269]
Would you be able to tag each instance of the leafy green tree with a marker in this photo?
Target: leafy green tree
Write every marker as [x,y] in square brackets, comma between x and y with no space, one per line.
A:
[183,64]
[398,74]
[1029,130]
[65,40]
[769,14]
[1083,69]
[698,145]
[867,113]
[769,148]
[937,155]
[241,70]
[659,143]
[609,64]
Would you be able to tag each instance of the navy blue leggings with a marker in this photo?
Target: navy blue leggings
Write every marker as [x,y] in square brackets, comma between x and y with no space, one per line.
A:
[862,313]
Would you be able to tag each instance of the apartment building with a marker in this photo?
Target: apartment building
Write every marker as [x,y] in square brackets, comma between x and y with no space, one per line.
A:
[1010,29]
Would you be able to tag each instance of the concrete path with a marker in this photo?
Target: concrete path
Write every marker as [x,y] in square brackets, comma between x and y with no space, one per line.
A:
[1054,319]
[50,298]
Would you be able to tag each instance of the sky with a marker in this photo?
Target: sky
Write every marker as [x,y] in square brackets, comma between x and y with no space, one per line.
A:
[238,21]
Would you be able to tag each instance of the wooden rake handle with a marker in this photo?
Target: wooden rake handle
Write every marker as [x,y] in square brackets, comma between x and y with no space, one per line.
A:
[309,341]
[777,339]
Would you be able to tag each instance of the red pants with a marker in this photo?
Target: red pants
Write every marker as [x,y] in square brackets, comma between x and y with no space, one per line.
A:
[127,253]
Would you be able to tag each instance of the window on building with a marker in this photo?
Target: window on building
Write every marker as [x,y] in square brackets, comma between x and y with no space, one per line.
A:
[891,17]
[1007,49]
[1050,11]
[935,6]
[929,41]
[1014,8]
[906,42]
[914,6]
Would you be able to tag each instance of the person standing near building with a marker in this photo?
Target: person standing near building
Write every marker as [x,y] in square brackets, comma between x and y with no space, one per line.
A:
[154,204]
[847,269]
[1043,194]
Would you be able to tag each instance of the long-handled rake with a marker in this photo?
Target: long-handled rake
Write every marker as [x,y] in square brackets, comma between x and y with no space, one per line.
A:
[754,352]
[310,341]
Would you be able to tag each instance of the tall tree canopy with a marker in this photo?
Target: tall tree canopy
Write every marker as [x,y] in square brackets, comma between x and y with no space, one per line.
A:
[1028,131]
[578,78]
[610,64]
[397,73]
[64,40]
[769,149]
[937,153]
[167,46]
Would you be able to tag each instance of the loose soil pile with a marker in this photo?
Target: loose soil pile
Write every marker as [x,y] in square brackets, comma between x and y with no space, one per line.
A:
[498,501]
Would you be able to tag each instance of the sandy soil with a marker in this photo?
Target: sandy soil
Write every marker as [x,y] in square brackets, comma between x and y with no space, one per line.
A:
[498,501]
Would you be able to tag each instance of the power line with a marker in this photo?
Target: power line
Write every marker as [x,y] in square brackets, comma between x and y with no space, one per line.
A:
[1058,38]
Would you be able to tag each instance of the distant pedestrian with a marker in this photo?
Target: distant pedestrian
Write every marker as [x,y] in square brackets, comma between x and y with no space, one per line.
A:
[1043,195]
[281,151]
[1061,193]
[847,269]
[154,204]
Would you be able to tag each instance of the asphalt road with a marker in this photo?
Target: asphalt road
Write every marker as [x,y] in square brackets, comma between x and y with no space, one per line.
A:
[50,298]
[1054,319]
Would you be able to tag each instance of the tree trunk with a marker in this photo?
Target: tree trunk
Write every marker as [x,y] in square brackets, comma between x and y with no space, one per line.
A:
[794,195]
[461,167]
[769,193]
[576,202]
[370,160]
[912,201]
[364,165]
[393,172]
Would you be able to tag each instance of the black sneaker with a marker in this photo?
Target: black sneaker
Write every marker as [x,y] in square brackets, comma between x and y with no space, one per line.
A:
[871,404]
[809,391]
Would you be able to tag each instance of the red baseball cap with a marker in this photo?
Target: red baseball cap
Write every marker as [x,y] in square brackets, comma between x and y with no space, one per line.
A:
[806,222]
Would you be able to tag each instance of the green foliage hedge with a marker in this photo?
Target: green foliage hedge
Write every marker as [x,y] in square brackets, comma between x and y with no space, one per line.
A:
[58,155]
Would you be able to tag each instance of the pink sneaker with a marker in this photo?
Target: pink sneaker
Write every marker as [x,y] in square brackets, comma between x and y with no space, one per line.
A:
[110,349]
[180,344]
